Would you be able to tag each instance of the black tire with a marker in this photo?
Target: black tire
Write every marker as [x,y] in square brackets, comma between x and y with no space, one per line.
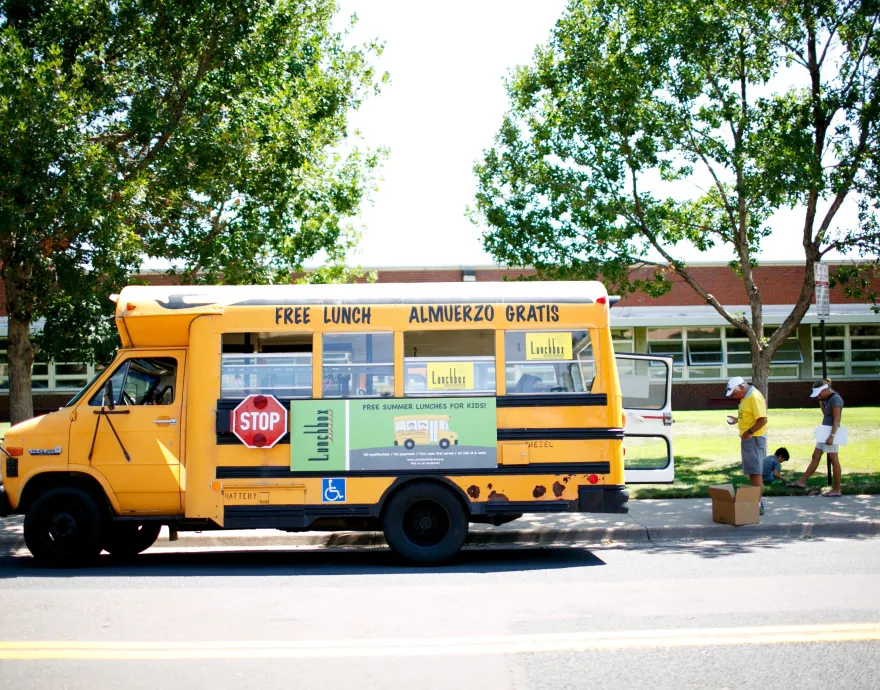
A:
[128,539]
[444,443]
[409,444]
[62,528]
[425,522]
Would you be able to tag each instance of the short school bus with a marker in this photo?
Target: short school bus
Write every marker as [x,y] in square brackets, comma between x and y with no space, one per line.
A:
[288,407]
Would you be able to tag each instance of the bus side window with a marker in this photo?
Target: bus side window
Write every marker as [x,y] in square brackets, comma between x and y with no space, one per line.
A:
[358,365]
[278,364]
[545,362]
[460,362]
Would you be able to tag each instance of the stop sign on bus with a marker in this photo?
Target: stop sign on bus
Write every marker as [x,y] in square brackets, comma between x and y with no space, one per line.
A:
[259,421]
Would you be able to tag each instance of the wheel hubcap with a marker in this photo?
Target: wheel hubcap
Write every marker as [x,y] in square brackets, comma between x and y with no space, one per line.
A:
[426,523]
[62,526]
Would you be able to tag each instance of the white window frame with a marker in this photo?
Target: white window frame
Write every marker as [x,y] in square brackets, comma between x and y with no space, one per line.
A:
[850,371]
[54,381]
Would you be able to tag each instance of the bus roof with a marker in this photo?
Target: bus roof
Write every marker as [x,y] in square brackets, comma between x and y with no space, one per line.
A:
[207,298]
[161,315]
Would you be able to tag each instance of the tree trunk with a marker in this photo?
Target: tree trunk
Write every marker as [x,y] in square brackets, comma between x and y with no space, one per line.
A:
[761,372]
[21,359]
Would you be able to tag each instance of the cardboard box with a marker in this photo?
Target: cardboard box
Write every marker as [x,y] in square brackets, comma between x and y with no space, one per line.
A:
[740,508]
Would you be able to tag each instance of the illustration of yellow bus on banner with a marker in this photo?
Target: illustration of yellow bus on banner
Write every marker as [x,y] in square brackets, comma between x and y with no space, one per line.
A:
[413,430]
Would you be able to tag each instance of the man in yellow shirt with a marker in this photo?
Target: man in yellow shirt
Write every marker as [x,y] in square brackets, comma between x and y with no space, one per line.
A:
[751,421]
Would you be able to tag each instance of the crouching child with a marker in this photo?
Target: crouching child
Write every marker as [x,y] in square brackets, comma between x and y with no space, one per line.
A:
[773,465]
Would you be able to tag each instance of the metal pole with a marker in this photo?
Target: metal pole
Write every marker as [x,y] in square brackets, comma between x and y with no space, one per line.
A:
[825,376]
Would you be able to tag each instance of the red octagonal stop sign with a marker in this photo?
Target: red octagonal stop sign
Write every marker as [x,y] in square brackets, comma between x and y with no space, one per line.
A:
[259,421]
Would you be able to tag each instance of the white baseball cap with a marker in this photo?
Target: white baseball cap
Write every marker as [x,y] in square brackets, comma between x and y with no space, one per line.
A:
[733,383]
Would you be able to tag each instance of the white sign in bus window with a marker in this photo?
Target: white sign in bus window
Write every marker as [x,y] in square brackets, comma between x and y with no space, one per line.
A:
[450,376]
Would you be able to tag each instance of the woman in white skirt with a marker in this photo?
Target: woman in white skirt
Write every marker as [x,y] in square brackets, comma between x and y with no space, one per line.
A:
[832,406]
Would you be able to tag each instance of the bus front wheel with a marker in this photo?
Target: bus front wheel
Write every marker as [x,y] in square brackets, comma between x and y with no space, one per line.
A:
[62,528]
[444,443]
[128,539]
[425,523]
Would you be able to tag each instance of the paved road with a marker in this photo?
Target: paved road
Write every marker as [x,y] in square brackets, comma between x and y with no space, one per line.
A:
[798,613]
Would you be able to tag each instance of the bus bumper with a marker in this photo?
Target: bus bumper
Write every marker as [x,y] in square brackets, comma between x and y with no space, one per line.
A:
[603,499]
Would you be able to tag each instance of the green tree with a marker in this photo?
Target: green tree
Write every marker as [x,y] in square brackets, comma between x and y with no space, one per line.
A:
[643,127]
[213,136]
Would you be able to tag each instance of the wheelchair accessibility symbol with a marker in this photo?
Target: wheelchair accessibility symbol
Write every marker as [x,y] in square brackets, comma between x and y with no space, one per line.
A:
[333,490]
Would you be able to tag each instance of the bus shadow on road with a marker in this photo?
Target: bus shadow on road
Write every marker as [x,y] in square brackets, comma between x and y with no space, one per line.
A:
[255,563]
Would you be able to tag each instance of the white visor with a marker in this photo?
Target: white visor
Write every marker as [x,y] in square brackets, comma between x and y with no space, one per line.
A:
[818,390]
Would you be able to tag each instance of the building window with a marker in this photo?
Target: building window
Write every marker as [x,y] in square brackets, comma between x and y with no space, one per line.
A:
[358,365]
[835,350]
[70,375]
[623,339]
[864,347]
[784,365]
[787,358]
[668,342]
[850,350]
[49,376]
[705,353]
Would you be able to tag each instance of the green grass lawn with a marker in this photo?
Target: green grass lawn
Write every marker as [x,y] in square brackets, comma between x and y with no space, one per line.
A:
[707,452]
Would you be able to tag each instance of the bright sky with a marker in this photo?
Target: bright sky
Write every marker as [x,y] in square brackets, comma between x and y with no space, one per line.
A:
[442,108]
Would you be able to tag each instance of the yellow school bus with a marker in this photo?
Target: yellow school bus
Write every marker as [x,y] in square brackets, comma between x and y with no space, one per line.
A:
[288,406]
[410,430]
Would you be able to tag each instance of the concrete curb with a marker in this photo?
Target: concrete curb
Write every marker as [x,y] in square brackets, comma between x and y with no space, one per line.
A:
[585,536]
[10,543]
[790,530]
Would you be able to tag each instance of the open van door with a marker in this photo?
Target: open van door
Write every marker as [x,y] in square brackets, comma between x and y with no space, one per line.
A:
[646,385]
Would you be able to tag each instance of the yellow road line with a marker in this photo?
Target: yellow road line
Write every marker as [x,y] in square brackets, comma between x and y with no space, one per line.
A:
[444,646]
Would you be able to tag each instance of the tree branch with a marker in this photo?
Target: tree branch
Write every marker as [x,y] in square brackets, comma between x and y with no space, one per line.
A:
[847,184]
[182,101]
[742,324]
[715,177]
[852,77]
[833,29]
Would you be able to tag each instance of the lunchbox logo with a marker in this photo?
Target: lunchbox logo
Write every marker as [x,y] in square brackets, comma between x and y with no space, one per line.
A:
[321,432]
[450,376]
[548,346]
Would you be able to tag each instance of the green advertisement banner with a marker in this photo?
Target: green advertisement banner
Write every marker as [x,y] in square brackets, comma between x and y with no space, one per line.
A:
[393,434]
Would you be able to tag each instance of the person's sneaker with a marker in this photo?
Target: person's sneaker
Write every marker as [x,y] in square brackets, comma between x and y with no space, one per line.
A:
[761,508]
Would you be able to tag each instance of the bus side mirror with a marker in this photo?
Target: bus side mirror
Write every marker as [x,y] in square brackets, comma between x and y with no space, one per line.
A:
[108,394]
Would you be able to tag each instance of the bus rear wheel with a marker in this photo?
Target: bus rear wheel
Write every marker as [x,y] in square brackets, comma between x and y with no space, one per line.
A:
[62,528]
[409,444]
[425,523]
[128,539]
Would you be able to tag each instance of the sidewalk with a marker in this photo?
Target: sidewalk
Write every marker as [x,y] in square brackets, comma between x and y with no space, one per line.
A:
[648,521]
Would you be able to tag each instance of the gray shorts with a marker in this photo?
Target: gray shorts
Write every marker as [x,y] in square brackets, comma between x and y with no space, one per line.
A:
[753,452]
[825,448]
